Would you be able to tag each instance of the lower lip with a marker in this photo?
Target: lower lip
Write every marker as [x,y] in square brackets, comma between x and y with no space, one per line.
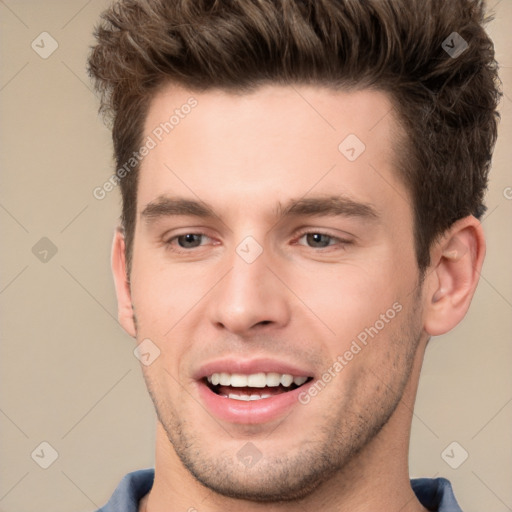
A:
[249,412]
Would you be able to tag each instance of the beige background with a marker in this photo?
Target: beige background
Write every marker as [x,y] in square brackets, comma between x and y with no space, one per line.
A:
[69,376]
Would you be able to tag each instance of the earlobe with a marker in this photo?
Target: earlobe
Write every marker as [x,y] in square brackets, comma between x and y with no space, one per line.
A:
[452,279]
[122,285]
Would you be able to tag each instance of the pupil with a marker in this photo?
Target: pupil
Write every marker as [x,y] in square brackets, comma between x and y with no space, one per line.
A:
[189,239]
[316,238]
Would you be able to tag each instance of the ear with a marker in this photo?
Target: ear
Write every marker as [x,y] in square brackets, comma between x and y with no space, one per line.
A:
[453,275]
[122,284]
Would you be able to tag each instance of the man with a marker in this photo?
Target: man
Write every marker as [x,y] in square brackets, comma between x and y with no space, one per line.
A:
[302,183]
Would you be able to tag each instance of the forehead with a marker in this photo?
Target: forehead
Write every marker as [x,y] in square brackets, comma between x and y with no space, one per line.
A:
[270,145]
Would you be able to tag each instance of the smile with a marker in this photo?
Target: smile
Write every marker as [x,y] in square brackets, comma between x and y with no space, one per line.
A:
[255,386]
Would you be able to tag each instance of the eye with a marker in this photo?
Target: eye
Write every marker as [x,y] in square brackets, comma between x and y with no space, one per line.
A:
[319,240]
[185,241]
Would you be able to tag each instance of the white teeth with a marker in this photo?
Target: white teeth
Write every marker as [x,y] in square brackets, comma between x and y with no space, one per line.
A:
[255,380]
[238,380]
[286,380]
[299,380]
[273,379]
[247,398]
[225,379]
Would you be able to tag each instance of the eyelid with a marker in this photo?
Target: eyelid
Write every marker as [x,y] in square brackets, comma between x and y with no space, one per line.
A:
[307,231]
[341,242]
[167,240]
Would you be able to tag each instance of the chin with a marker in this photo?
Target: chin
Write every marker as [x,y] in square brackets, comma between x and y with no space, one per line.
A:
[270,484]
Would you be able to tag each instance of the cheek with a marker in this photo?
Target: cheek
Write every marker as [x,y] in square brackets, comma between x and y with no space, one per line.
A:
[163,293]
[365,310]
[350,297]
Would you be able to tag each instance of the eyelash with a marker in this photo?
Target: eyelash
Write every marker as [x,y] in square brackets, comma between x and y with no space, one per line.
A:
[343,243]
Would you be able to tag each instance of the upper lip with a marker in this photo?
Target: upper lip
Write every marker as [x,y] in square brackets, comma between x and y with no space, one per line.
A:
[250,366]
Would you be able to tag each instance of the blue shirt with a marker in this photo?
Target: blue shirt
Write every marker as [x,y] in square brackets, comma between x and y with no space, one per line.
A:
[436,494]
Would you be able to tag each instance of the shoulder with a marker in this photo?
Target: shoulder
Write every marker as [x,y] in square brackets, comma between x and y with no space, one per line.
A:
[435,494]
[132,488]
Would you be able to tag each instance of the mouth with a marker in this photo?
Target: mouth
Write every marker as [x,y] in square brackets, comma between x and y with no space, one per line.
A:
[252,391]
[255,386]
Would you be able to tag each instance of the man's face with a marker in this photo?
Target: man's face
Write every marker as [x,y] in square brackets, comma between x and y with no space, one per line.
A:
[258,287]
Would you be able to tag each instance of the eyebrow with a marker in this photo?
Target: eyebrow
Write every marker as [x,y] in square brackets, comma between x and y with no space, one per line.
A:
[330,206]
[338,205]
[168,206]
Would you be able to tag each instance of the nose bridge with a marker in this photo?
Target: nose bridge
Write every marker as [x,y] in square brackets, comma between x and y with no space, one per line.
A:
[250,294]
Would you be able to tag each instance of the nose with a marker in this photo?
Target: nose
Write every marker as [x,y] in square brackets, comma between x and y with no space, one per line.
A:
[250,296]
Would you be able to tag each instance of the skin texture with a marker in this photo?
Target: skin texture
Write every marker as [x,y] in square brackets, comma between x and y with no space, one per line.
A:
[302,301]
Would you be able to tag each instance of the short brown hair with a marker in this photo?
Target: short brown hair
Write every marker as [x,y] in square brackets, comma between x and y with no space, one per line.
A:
[446,103]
